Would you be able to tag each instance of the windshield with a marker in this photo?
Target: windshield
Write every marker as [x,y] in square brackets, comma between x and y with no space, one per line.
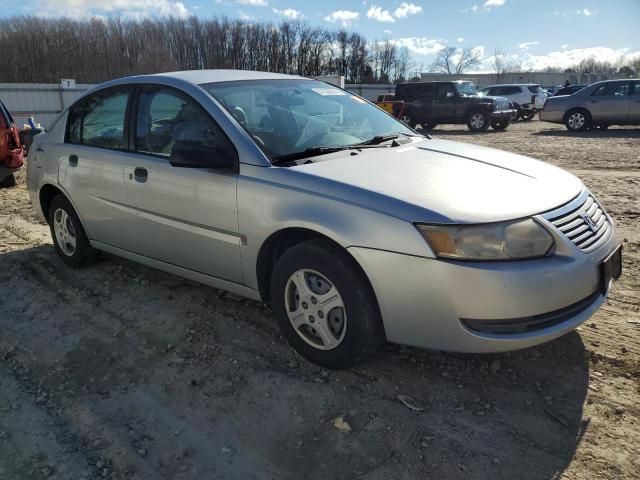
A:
[285,117]
[466,89]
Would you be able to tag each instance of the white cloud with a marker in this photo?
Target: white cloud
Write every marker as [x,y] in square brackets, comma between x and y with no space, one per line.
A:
[460,39]
[524,46]
[379,15]
[494,3]
[345,17]
[388,32]
[485,7]
[289,13]
[564,46]
[566,57]
[586,12]
[420,45]
[253,3]
[245,16]
[126,8]
[406,9]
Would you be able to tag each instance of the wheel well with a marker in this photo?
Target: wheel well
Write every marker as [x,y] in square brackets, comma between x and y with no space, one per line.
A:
[47,192]
[275,246]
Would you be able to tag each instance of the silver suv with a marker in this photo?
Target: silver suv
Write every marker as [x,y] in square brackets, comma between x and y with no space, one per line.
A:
[527,98]
[354,227]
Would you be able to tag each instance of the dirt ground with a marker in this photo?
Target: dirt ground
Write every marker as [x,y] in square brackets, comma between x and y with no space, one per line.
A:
[120,371]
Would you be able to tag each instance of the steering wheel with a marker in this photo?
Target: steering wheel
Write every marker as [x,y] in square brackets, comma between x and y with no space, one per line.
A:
[239,115]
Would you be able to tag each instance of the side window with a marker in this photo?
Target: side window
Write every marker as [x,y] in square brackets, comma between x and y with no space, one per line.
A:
[103,117]
[616,89]
[636,89]
[166,118]
[494,91]
[443,90]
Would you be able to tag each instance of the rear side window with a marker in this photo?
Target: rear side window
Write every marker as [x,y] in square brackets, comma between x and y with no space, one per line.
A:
[636,89]
[99,120]
[534,88]
[612,89]
[166,118]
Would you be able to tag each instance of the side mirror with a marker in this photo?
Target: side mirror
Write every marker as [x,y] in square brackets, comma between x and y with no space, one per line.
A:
[197,155]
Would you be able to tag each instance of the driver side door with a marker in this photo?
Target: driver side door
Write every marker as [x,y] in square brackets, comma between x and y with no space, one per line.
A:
[179,215]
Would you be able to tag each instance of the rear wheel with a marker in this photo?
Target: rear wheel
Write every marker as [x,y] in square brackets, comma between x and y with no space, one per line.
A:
[577,120]
[325,306]
[408,119]
[500,125]
[527,115]
[69,238]
[477,121]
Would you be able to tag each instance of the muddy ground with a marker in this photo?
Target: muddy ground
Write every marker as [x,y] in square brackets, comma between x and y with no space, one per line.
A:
[120,371]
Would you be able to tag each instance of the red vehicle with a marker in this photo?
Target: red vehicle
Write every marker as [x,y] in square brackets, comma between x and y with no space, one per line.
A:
[11,150]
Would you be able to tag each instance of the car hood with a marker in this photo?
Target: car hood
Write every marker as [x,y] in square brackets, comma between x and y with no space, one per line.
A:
[450,181]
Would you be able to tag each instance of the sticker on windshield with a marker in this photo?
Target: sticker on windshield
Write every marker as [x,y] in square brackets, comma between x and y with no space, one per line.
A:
[326,92]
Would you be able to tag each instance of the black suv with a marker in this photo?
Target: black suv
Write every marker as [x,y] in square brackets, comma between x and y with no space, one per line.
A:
[430,103]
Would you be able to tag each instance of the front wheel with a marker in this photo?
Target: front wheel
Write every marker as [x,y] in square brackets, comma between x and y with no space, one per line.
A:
[478,122]
[500,125]
[69,238]
[325,306]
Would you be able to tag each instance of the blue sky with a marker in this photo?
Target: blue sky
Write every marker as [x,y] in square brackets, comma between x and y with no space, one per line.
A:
[536,32]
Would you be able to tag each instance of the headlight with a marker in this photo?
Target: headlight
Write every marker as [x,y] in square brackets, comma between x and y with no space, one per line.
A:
[492,241]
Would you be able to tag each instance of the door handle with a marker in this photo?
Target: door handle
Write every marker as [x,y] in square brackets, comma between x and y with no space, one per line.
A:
[73,160]
[140,174]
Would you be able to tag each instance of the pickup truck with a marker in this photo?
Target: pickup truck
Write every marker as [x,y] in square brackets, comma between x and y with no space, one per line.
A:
[11,149]
[430,103]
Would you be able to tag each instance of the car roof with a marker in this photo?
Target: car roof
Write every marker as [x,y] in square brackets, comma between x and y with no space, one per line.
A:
[219,75]
[513,85]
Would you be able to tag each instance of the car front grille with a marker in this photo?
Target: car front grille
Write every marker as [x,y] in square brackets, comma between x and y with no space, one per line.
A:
[586,224]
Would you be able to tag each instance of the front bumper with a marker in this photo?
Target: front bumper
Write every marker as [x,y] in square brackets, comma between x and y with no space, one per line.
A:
[502,115]
[441,305]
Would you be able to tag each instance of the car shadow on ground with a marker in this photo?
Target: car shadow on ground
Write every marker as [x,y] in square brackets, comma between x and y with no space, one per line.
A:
[609,133]
[202,382]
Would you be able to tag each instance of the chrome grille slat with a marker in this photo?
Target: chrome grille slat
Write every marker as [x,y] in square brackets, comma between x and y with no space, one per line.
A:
[573,215]
[579,231]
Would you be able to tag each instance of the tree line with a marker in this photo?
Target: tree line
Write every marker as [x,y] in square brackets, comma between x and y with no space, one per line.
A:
[44,50]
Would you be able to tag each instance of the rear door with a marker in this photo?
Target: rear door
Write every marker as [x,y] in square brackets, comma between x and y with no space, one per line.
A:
[634,104]
[610,102]
[91,161]
[182,216]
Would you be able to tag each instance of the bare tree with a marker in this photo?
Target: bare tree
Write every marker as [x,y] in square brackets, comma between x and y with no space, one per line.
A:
[444,62]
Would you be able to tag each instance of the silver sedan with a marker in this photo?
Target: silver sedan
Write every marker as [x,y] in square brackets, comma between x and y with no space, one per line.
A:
[357,229]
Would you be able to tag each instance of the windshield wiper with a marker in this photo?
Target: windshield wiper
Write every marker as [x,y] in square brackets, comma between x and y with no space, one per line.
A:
[309,152]
[385,137]
[321,150]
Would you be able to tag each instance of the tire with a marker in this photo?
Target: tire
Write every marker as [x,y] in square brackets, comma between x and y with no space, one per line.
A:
[408,119]
[429,126]
[500,125]
[527,115]
[477,121]
[69,238]
[8,181]
[577,120]
[346,331]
